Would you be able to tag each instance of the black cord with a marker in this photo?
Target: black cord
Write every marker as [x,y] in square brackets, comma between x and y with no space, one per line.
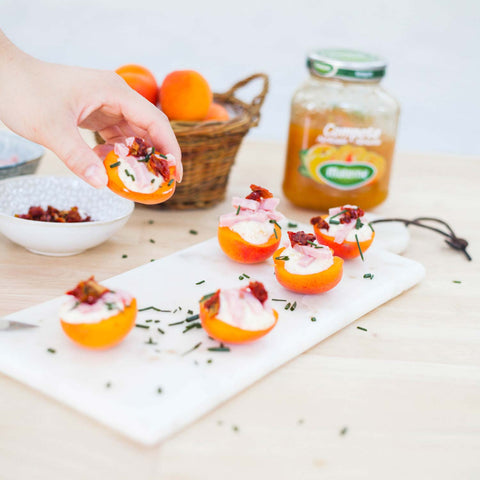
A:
[452,240]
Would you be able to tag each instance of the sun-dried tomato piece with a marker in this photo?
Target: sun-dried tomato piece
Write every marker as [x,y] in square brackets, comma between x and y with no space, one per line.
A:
[212,304]
[351,214]
[138,148]
[159,166]
[258,193]
[301,238]
[320,222]
[258,291]
[52,214]
[88,291]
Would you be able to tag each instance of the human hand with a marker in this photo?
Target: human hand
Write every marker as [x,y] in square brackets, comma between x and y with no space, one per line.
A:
[46,103]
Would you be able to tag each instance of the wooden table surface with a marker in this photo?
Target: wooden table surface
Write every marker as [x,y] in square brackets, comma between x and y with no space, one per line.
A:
[401,400]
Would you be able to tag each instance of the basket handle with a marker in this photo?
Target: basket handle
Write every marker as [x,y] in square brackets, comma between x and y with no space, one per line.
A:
[257,101]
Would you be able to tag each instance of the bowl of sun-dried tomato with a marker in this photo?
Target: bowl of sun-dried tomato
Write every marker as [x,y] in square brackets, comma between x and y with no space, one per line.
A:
[59,216]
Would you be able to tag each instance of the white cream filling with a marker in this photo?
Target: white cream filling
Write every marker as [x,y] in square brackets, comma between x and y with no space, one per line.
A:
[253,232]
[243,315]
[363,233]
[292,265]
[109,305]
[153,182]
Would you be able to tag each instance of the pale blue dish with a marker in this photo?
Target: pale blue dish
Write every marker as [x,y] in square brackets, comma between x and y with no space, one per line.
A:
[28,154]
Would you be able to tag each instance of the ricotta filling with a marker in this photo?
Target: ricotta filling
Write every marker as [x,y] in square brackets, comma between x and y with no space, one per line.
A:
[296,261]
[254,232]
[243,310]
[110,304]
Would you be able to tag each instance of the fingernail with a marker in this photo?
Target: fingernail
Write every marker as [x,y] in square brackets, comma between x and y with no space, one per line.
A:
[96,176]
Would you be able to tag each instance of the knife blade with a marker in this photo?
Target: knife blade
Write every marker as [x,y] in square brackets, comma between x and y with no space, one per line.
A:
[6,324]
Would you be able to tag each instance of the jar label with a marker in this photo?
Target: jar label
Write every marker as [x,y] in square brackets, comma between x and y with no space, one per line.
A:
[345,168]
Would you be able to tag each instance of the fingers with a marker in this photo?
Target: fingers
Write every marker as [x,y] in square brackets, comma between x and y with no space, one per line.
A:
[140,113]
[81,159]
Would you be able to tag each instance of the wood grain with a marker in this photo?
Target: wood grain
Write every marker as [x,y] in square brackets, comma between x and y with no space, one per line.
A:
[407,391]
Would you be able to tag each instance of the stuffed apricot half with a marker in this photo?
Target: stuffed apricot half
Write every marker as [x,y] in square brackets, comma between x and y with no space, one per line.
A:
[306,267]
[139,173]
[238,315]
[251,233]
[345,231]
[96,317]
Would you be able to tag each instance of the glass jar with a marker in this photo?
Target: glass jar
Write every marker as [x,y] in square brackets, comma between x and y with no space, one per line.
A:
[342,133]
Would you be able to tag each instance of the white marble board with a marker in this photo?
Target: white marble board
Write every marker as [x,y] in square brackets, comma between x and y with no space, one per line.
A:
[194,383]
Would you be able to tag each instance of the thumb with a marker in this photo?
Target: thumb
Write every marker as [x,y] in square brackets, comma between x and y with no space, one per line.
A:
[81,159]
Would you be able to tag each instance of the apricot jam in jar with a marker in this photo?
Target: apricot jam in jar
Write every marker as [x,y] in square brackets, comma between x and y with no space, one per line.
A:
[342,133]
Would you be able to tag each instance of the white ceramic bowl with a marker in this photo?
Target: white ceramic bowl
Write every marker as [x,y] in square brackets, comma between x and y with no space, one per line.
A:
[109,213]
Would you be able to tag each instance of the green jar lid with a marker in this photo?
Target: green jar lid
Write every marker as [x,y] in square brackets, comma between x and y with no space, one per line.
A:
[346,64]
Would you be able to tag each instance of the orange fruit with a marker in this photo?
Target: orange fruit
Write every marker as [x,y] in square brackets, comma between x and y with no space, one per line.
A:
[141,80]
[217,112]
[186,96]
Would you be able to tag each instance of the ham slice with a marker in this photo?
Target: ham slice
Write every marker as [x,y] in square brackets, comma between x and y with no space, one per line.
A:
[251,210]
[342,231]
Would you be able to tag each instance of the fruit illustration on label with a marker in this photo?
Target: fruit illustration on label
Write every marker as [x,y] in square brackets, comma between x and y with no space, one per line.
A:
[346,168]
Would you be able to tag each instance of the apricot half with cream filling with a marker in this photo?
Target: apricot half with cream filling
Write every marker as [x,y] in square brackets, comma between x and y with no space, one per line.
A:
[306,267]
[251,233]
[238,315]
[345,231]
[139,173]
[96,317]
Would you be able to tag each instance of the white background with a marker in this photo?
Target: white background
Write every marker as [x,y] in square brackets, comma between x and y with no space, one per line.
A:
[432,47]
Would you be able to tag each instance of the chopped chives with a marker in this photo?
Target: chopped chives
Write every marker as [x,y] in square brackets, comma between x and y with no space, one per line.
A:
[139,325]
[192,326]
[192,318]
[363,329]
[192,349]
[170,182]
[278,300]
[238,210]
[159,390]
[359,248]
[152,180]
[313,244]
[51,350]
[358,224]
[293,307]
[176,323]
[456,281]
[193,232]
[200,282]
[275,233]
[151,240]
[124,255]
[369,275]
[313,319]
[159,330]
[292,225]
[205,297]
[283,257]
[108,384]
[336,215]
[218,349]
[344,430]
[245,275]
[151,342]
[240,277]
[153,308]
[148,321]
[287,306]
[162,156]
[371,228]
[156,321]
[150,222]
[209,360]
[275,223]
[116,164]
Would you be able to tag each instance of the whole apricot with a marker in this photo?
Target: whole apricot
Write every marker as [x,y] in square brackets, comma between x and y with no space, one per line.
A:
[217,112]
[185,95]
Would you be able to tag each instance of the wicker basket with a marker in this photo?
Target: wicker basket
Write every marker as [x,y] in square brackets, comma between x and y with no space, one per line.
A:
[209,148]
